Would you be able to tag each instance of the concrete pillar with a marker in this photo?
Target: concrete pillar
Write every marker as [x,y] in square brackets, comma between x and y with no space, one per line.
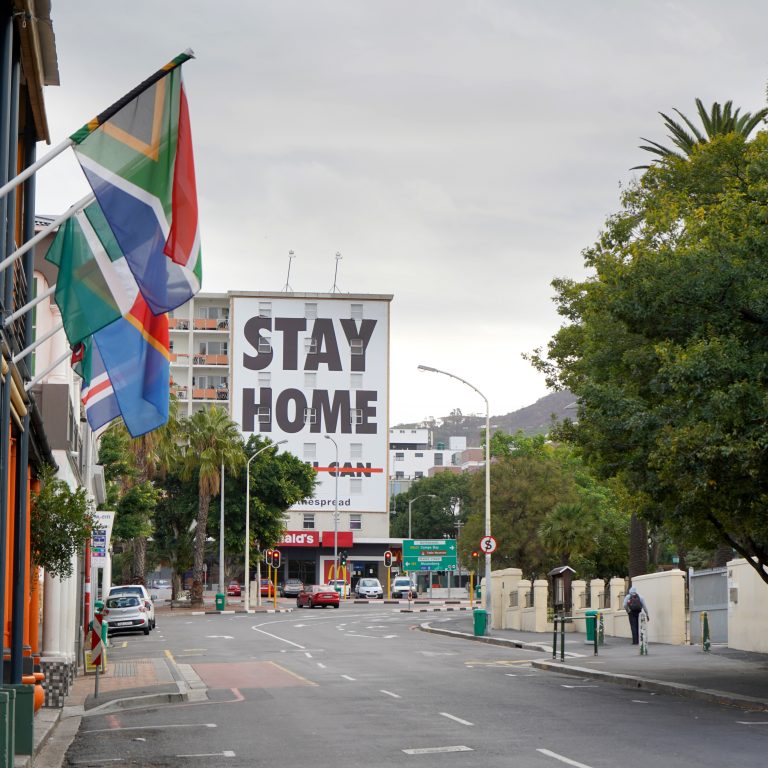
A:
[540,590]
[52,645]
[578,595]
[616,590]
[596,589]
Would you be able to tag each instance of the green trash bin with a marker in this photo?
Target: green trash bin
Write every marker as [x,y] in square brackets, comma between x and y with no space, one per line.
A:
[481,621]
[591,621]
[24,717]
[478,592]
[221,601]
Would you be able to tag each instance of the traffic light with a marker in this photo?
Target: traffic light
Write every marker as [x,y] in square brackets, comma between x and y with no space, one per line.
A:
[387,559]
[275,558]
[268,557]
[342,558]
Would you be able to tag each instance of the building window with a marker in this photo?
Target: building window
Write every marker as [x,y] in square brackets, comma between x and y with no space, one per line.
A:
[418,474]
[309,520]
[310,311]
[264,414]
[355,450]
[356,381]
[310,380]
[399,475]
[438,459]
[265,378]
[399,457]
[356,311]
[310,416]
[265,309]
[310,346]
[356,416]
[265,345]
[356,486]
[310,451]
[356,346]
[355,522]
[418,455]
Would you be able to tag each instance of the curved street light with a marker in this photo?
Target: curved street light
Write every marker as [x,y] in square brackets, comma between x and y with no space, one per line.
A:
[487,484]
[248,527]
[410,503]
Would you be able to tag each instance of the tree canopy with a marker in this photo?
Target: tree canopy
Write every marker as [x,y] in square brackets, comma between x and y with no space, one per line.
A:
[666,346]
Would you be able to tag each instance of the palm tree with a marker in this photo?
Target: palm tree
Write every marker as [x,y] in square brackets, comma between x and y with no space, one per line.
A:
[719,121]
[212,440]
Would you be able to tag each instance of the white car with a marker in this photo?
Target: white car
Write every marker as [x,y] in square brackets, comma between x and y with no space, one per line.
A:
[341,586]
[402,587]
[369,588]
[141,591]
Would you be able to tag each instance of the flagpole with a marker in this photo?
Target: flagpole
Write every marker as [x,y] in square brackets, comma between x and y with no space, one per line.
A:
[36,343]
[36,166]
[58,221]
[22,310]
[31,383]
[92,125]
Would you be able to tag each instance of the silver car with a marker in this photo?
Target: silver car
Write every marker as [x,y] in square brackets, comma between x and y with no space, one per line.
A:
[126,613]
[369,588]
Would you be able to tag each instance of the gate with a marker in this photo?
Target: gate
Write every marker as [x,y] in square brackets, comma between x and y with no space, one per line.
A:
[708,591]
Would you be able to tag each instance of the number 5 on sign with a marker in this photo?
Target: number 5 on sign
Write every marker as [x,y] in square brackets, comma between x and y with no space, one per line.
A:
[488,544]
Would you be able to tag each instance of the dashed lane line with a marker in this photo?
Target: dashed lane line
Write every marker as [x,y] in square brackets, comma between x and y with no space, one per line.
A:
[389,693]
[563,759]
[456,719]
[437,750]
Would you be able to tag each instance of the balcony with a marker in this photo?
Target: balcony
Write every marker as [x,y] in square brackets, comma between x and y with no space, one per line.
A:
[200,359]
[178,324]
[181,393]
[211,393]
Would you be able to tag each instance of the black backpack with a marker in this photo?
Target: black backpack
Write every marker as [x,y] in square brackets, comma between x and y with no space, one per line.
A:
[634,603]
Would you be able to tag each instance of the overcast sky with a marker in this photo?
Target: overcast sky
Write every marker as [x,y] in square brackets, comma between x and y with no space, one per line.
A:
[459,155]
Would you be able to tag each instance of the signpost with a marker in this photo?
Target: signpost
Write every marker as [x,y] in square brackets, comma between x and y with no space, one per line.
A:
[429,555]
[97,648]
[488,544]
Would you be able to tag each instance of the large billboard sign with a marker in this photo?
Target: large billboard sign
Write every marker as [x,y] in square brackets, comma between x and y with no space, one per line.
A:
[307,366]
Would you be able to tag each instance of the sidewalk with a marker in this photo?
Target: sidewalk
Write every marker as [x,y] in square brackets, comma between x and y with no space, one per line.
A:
[723,676]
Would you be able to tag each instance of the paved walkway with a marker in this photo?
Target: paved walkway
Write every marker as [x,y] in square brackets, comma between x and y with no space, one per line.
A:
[723,675]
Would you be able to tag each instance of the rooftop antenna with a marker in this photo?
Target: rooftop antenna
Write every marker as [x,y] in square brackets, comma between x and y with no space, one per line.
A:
[335,288]
[287,287]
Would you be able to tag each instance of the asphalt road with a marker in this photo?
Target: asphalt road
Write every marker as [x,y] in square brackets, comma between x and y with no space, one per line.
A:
[361,686]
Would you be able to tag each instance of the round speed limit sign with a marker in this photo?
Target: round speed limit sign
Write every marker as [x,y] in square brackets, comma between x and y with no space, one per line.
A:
[488,544]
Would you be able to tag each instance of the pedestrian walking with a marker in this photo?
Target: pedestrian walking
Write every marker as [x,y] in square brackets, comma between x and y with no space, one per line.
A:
[634,605]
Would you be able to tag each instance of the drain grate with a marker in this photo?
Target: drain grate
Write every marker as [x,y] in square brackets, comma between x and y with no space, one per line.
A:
[125,669]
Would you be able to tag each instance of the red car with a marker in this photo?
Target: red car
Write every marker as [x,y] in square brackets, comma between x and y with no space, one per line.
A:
[233,590]
[317,594]
[267,588]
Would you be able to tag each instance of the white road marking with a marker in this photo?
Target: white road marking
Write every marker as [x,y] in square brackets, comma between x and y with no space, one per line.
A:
[578,686]
[307,654]
[153,727]
[347,677]
[434,750]
[754,722]
[377,626]
[298,626]
[219,637]
[510,674]
[562,759]
[225,753]
[282,639]
[321,665]
[389,693]
[457,719]
[639,701]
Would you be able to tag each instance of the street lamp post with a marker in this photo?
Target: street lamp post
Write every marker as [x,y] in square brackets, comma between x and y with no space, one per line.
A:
[487,485]
[248,523]
[336,515]
[410,503]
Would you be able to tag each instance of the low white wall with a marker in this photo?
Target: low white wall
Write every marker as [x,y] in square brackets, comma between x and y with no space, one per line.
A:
[664,594]
[504,585]
[747,608]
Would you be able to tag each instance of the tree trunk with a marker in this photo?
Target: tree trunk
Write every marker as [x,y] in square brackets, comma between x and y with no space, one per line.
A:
[200,537]
[138,573]
[638,546]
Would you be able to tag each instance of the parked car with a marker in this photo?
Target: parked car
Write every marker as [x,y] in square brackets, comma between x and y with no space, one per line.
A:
[233,589]
[126,612]
[267,588]
[369,588]
[141,592]
[317,594]
[292,587]
[402,587]
[341,585]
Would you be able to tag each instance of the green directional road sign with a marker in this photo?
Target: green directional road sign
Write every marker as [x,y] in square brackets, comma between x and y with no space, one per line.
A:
[429,554]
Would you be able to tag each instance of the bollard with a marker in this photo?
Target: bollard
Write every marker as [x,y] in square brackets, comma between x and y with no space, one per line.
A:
[562,638]
[643,635]
[554,638]
[595,637]
[601,625]
[705,631]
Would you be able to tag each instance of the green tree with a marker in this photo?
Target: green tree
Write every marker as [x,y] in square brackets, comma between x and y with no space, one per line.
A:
[212,441]
[666,346]
[719,121]
[60,524]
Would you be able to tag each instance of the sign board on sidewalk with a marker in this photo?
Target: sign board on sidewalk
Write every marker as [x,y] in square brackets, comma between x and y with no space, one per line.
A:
[429,554]
[102,530]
